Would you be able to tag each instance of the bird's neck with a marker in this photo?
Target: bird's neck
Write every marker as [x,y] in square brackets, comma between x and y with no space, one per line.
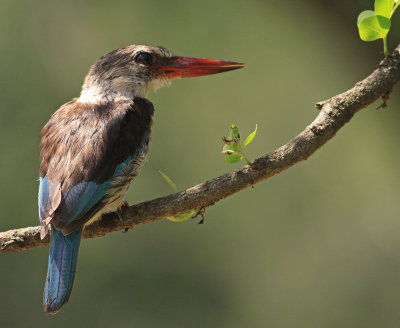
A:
[120,88]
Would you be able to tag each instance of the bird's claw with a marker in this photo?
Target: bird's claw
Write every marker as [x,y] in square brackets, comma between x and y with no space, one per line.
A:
[121,207]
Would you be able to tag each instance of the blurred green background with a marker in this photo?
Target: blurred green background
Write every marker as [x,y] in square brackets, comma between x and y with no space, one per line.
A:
[315,246]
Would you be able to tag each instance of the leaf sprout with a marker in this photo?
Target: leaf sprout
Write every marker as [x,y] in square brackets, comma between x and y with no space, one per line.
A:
[232,147]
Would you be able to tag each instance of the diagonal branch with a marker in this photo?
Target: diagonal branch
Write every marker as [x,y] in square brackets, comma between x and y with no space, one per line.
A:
[334,113]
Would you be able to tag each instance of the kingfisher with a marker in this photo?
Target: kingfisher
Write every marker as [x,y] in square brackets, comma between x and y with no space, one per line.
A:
[94,146]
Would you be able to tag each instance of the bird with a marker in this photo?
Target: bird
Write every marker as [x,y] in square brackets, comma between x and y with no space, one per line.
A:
[95,145]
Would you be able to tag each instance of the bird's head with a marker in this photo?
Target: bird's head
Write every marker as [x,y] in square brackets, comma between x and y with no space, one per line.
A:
[132,71]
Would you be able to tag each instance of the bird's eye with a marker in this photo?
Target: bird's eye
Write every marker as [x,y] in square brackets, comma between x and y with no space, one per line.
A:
[144,58]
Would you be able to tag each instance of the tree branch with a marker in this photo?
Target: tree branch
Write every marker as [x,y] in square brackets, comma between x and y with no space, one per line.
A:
[334,113]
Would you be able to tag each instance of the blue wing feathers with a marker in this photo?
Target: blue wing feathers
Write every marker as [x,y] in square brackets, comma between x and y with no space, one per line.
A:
[79,200]
[83,196]
[61,269]
[76,201]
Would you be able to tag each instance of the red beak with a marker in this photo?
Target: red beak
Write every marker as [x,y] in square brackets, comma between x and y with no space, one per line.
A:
[190,67]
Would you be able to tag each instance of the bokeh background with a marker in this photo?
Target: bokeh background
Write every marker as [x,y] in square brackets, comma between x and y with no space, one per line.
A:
[315,246]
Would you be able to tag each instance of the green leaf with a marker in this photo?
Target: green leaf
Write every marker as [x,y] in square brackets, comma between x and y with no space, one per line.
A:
[384,7]
[229,149]
[364,14]
[234,158]
[234,132]
[182,217]
[250,137]
[169,181]
[374,27]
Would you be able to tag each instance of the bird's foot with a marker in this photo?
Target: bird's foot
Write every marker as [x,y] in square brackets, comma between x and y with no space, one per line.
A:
[121,207]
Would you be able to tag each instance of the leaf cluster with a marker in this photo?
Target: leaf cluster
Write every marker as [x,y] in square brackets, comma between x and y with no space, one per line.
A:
[233,149]
[375,24]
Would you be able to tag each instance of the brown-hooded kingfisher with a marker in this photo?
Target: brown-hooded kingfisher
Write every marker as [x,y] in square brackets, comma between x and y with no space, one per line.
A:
[94,146]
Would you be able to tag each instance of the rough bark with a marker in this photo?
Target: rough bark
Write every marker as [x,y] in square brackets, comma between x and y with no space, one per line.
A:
[334,113]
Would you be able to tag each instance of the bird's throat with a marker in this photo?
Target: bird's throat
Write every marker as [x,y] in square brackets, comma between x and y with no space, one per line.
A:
[120,88]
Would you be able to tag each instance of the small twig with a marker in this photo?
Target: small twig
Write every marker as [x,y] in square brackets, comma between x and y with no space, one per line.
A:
[385,97]
[200,212]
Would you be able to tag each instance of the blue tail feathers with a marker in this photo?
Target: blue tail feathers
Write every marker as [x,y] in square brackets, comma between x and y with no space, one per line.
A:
[61,269]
